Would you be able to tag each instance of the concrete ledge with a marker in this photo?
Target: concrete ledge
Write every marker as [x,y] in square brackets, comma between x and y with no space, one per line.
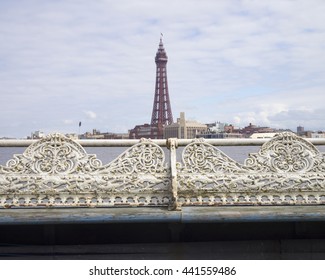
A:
[162,215]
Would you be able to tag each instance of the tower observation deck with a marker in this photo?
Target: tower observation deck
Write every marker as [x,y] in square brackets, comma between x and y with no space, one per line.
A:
[161,112]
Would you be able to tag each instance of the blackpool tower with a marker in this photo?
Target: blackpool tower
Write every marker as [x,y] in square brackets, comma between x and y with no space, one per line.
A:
[161,112]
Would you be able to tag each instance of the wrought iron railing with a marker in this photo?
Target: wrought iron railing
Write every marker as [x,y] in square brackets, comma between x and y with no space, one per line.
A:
[57,172]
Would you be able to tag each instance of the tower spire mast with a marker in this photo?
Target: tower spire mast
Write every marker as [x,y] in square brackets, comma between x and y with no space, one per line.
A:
[161,112]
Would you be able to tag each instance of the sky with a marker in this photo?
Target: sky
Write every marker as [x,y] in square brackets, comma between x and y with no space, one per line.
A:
[235,61]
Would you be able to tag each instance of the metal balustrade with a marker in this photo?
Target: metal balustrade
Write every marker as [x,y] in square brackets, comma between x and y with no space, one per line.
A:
[56,181]
[57,173]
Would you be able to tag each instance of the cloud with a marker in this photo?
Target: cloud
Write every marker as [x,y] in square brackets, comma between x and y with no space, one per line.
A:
[311,119]
[91,115]
[68,122]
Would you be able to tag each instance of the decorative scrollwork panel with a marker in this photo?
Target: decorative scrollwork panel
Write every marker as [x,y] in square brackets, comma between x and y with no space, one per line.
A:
[52,155]
[285,153]
[203,158]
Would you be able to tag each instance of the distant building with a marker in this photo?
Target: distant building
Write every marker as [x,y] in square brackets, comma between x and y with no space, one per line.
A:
[301,131]
[121,136]
[96,134]
[216,127]
[37,135]
[251,129]
[221,135]
[265,135]
[219,130]
[184,129]
[229,129]
[318,134]
[140,131]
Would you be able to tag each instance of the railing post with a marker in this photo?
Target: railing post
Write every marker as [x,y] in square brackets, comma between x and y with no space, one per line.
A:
[172,145]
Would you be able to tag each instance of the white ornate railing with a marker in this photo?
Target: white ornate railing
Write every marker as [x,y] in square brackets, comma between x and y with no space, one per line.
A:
[57,172]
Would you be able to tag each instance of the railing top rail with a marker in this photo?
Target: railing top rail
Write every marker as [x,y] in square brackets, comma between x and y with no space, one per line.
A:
[160,142]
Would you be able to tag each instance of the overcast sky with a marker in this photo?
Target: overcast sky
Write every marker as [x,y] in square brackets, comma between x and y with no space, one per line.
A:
[232,61]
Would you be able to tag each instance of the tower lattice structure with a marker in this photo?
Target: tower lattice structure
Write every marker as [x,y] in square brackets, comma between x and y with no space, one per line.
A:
[161,112]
